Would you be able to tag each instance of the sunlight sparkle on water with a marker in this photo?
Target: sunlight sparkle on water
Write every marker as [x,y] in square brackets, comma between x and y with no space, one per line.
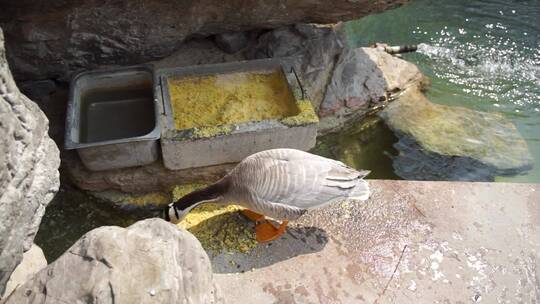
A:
[483,55]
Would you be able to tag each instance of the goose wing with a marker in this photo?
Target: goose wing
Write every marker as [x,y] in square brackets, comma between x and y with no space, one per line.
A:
[302,180]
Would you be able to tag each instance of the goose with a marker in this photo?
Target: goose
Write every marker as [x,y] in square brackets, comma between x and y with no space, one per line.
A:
[280,183]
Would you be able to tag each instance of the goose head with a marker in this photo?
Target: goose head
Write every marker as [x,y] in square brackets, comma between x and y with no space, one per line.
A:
[173,214]
[176,211]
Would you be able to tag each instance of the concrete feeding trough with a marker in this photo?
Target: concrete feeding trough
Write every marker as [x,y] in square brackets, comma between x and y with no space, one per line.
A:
[113,118]
[221,113]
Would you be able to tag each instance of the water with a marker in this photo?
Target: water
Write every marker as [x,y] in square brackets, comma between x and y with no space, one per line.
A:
[71,214]
[109,114]
[483,55]
[367,145]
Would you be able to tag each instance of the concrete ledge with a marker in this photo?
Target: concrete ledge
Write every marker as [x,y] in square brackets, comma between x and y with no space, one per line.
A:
[412,242]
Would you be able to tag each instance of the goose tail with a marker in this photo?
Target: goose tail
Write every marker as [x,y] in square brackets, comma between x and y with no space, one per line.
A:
[360,191]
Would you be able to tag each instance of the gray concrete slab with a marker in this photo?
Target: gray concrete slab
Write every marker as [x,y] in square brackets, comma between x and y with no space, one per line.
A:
[412,242]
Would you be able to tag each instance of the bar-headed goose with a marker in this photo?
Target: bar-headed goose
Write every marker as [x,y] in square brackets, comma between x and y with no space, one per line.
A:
[280,183]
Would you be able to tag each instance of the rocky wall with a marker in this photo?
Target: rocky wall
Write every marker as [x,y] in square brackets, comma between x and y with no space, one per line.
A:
[49,39]
[29,162]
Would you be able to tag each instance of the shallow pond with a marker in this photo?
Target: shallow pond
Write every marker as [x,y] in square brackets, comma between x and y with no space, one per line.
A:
[72,213]
[483,55]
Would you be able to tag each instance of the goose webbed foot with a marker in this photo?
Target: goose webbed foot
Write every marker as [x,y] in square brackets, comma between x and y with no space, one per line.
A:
[267,232]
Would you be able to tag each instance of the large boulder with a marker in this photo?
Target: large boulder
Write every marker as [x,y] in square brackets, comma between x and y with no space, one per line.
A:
[49,39]
[29,162]
[151,261]
[439,142]
[149,178]
[312,49]
[32,262]
[362,79]
[232,42]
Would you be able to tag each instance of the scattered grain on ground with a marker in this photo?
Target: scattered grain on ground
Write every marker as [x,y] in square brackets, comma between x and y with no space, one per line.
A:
[218,228]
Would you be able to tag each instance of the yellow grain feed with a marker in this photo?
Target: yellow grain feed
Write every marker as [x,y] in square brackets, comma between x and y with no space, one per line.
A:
[213,100]
[306,115]
[219,228]
[156,198]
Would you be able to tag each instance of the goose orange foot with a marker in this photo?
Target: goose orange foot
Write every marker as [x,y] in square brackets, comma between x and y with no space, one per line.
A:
[265,231]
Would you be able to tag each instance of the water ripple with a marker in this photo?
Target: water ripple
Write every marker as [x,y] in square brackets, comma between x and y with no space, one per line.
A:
[480,54]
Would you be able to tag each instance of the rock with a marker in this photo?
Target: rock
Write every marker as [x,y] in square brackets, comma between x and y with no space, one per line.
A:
[54,107]
[151,261]
[29,163]
[452,138]
[33,261]
[151,178]
[232,42]
[37,89]
[413,162]
[52,100]
[195,52]
[51,39]
[313,50]
[365,77]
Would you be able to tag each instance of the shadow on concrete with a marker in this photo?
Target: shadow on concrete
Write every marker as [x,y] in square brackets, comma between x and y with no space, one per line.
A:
[296,241]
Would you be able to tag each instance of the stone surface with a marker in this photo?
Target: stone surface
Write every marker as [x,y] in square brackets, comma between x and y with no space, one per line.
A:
[232,42]
[151,261]
[411,242]
[198,51]
[150,178]
[33,261]
[313,50]
[365,78]
[38,89]
[453,143]
[29,163]
[51,39]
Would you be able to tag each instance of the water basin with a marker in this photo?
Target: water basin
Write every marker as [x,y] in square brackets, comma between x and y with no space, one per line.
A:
[112,118]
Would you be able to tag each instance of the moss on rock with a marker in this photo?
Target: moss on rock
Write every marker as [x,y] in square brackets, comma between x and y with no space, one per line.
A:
[455,131]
